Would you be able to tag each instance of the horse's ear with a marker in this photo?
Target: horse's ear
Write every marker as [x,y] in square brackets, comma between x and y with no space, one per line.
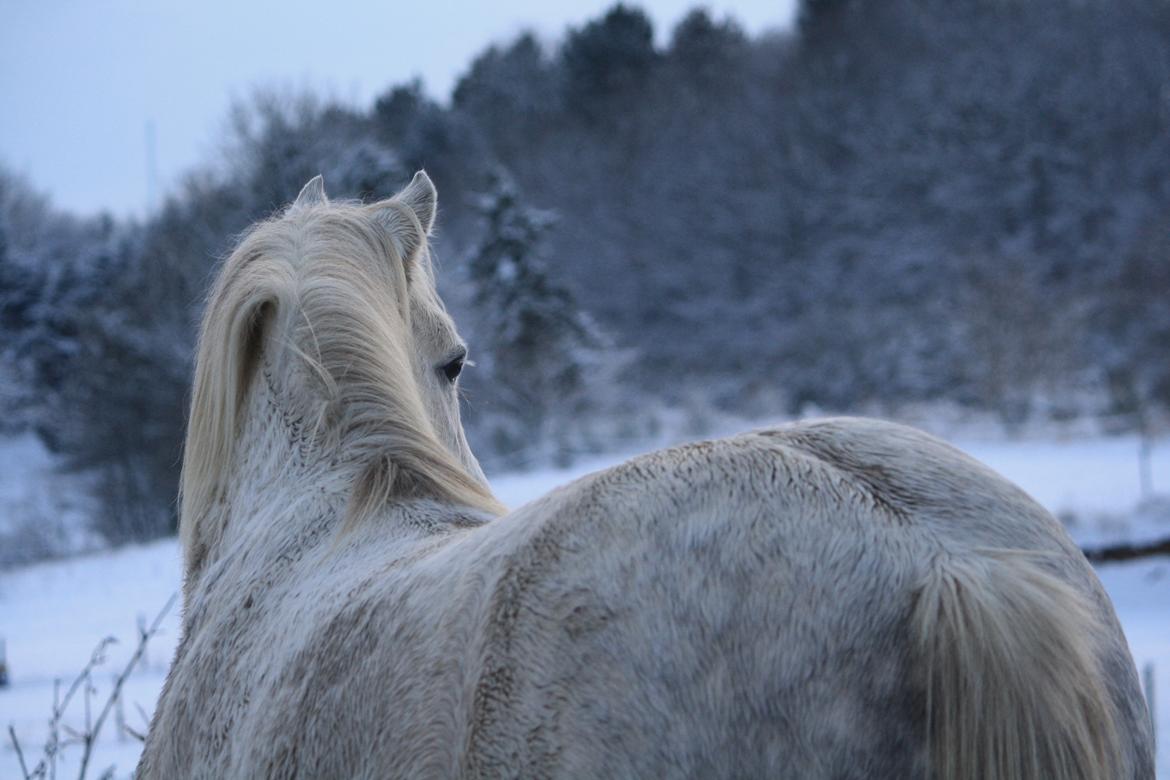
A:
[312,194]
[422,199]
[409,216]
[404,228]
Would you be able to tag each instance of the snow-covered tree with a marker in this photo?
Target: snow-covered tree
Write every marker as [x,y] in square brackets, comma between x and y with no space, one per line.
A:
[547,362]
[1134,338]
[608,60]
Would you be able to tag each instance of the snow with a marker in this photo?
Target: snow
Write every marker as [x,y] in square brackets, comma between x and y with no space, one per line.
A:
[1096,475]
[41,511]
[52,614]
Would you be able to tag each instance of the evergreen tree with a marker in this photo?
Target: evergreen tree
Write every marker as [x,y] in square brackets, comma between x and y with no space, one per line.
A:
[817,18]
[610,57]
[510,94]
[704,48]
[546,359]
[1134,337]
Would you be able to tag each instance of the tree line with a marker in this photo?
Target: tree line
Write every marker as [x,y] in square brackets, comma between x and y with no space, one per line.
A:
[897,201]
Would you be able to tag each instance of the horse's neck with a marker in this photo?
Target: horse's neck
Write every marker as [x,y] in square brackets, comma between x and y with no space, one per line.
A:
[284,473]
[289,489]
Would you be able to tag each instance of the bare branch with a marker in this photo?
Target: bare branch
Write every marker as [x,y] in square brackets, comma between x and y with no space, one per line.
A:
[97,658]
[142,713]
[54,732]
[144,637]
[47,766]
[19,752]
[89,691]
[138,735]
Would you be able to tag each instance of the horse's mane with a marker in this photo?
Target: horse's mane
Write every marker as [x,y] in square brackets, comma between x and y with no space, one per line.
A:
[333,281]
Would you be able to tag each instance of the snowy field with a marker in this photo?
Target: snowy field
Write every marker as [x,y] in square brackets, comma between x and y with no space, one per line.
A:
[53,614]
[41,511]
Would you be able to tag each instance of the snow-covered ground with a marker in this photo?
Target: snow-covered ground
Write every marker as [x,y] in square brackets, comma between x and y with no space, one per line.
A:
[53,614]
[42,512]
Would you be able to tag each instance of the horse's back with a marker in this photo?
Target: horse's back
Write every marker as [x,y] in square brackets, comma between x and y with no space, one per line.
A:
[747,607]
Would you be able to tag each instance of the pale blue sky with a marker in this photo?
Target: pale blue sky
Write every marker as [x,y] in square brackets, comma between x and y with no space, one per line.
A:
[80,79]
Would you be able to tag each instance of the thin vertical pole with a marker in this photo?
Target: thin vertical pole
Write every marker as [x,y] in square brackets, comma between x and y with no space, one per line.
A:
[151,168]
[1145,466]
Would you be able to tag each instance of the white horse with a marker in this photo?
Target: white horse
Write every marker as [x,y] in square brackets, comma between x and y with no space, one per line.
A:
[833,599]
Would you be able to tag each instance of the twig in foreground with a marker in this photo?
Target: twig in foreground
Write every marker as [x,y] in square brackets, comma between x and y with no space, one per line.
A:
[19,752]
[47,764]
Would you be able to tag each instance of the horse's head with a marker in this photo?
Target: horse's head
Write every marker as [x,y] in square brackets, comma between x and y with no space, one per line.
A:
[324,332]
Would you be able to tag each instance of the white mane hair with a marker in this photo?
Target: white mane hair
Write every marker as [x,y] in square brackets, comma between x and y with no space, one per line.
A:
[335,284]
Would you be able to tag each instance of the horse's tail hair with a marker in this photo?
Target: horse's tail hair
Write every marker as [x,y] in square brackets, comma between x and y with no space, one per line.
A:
[1014,687]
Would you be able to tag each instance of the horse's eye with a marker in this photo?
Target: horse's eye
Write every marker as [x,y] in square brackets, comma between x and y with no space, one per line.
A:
[453,369]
